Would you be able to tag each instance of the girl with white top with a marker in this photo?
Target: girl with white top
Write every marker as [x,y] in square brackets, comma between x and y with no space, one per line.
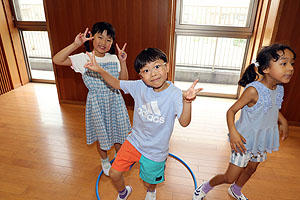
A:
[107,121]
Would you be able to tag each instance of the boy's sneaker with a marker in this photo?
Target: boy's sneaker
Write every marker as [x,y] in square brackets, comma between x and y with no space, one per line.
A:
[129,190]
[151,195]
[106,167]
[199,194]
[231,193]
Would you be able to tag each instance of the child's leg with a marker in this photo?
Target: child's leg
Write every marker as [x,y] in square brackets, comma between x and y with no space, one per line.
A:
[117,146]
[104,160]
[232,173]
[150,187]
[125,158]
[237,163]
[103,153]
[235,189]
[152,173]
[247,173]
[151,192]
[117,179]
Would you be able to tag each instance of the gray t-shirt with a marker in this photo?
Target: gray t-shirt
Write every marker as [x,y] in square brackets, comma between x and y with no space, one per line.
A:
[154,117]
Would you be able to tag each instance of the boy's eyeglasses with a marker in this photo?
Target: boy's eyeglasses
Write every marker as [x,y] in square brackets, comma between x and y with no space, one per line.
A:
[156,68]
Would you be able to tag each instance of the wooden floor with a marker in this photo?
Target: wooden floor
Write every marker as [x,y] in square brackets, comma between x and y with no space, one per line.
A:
[43,154]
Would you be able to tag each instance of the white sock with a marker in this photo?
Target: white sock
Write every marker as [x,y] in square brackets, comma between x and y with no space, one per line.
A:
[106,166]
[105,163]
[105,159]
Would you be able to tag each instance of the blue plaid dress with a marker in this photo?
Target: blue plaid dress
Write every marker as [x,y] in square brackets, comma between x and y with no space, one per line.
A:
[107,118]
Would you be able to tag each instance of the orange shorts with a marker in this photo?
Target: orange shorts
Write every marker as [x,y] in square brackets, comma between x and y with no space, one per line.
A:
[127,155]
[150,171]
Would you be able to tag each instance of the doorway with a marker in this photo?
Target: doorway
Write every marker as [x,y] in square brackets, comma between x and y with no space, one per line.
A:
[29,18]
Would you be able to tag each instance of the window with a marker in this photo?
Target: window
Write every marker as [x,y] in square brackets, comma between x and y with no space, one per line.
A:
[29,10]
[211,43]
[30,20]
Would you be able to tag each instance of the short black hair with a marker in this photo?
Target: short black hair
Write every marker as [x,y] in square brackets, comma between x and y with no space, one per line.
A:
[100,27]
[148,55]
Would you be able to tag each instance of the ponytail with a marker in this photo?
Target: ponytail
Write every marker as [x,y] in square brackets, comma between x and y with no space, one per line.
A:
[262,62]
[249,76]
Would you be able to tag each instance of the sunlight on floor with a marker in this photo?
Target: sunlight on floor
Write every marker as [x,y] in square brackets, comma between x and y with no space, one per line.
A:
[40,74]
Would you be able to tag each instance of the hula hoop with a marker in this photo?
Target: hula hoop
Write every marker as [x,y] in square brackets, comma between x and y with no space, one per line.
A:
[172,155]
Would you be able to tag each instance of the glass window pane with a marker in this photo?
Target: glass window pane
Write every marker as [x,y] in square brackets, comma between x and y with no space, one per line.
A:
[212,60]
[29,10]
[215,12]
[39,55]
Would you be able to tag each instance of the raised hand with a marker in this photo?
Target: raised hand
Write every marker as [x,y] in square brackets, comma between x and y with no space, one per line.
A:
[122,55]
[237,142]
[92,64]
[82,37]
[191,93]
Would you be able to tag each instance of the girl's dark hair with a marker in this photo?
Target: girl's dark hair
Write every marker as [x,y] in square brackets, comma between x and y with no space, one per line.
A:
[148,55]
[99,27]
[263,58]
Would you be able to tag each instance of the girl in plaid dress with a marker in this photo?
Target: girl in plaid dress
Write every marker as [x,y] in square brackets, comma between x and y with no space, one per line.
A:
[107,121]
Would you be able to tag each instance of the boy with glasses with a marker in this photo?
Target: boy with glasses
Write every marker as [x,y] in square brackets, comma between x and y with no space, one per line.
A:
[157,103]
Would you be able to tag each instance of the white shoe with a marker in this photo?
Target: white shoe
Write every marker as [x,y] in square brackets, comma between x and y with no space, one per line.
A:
[231,193]
[129,190]
[106,167]
[199,194]
[151,195]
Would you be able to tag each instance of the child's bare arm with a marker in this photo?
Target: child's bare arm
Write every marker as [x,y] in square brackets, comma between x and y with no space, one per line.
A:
[188,97]
[236,139]
[62,57]
[283,126]
[93,65]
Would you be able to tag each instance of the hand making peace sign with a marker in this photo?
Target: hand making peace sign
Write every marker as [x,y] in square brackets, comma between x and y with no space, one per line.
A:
[190,94]
[82,37]
[92,64]
[122,55]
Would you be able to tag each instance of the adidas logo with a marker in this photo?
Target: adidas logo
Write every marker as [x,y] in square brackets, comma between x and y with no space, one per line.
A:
[151,112]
